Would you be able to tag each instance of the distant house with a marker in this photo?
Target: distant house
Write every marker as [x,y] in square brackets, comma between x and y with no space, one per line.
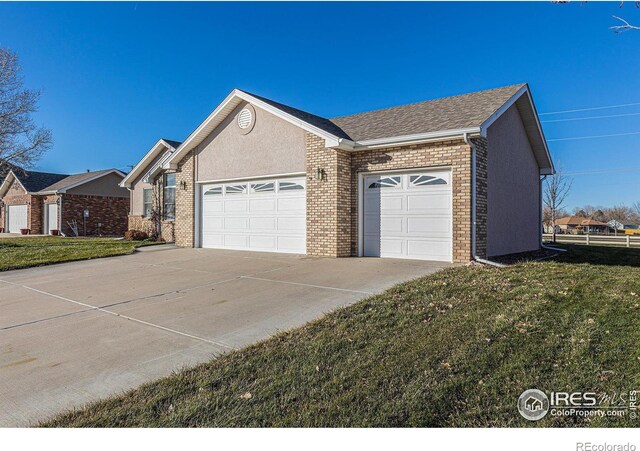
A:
[42,202]
[580,225]
[626,229]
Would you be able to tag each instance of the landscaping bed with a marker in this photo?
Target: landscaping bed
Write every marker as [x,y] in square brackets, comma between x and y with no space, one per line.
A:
[454,349]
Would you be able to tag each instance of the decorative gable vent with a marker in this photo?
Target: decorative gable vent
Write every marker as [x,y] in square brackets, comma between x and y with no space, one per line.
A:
[245,117]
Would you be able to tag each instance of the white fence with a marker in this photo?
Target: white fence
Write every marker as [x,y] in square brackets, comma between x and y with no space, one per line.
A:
[607,240]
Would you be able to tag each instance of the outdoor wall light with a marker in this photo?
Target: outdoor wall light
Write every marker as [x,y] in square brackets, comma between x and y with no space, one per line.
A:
[183,185]
[321,174]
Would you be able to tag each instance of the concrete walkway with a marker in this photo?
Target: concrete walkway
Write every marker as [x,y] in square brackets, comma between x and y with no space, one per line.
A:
[77,332]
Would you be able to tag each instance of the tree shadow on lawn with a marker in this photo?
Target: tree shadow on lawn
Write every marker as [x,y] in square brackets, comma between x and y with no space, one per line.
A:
[598,255]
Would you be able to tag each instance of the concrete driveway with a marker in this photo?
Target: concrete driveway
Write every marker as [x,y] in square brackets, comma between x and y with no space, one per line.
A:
[77,332]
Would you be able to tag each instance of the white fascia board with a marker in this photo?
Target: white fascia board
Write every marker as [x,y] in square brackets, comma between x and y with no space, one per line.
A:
[415,139]
[187,145]
[544,140]
[138,168]
[90,179]
[7,180]
[158,167]
[500,111]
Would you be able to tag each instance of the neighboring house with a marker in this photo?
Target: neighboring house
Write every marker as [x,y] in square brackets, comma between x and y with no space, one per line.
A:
[41,202]
[627,229]
[446,179]
[578,225]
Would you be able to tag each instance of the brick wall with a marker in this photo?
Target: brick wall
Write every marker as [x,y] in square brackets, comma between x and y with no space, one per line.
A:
[481,196]
[185,202]
[332,204]
[111,212]
[328,200]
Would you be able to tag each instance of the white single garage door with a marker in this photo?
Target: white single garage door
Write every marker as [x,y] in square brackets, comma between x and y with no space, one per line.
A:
[16,218]
[257,215]
[408,215]
[51,217]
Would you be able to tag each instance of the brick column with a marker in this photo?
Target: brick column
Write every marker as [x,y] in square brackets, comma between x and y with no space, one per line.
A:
[184,225]
[328,200]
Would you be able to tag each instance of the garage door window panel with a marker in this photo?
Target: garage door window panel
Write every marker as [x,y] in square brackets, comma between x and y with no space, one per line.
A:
[215,191]
[235,189]
[426,180]
[290,186]
[386,182]
[263,187]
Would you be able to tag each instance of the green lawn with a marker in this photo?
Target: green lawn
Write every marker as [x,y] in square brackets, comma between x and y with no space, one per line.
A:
[453,349]
[24,252]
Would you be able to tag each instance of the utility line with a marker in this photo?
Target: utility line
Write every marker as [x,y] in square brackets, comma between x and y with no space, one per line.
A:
[594,136]
[590,109]
[604,171]
[591,117]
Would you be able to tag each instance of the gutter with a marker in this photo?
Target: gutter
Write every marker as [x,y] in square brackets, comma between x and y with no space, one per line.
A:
[474,206]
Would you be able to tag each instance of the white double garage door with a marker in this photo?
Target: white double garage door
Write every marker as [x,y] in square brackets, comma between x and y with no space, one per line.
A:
[257,215]
[405,215]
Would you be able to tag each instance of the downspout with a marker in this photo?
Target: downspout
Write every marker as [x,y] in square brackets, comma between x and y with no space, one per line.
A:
[474,207]
[60,226]
[542,245]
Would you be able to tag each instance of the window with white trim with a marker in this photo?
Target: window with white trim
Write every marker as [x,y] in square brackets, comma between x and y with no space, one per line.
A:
[169,195]
[147,202]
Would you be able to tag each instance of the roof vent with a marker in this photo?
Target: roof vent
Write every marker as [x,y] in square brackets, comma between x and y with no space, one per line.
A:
[245,117]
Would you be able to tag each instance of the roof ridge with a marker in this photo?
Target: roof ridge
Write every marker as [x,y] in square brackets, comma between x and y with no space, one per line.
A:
[427,101]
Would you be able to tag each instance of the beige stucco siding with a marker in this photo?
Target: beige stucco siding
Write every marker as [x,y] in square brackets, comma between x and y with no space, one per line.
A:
[137,187]
[103,186]
[513,198]
[274,146]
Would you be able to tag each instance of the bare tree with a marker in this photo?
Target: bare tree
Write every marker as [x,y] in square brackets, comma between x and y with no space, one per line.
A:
[21,141]
[556,190]
[623,27]
[636,207]
[156,215]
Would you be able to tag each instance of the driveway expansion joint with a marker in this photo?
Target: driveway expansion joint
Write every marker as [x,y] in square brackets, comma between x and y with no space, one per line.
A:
[109,312]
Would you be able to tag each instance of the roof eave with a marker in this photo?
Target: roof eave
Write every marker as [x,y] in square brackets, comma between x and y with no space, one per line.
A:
[230,102]
[548,169]
[138,169]
[5,183]
[90,179]
[418,138]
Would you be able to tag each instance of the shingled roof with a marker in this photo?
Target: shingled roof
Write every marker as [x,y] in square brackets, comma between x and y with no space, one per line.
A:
[456,116]
[34,181]
[74,179]
[448,113]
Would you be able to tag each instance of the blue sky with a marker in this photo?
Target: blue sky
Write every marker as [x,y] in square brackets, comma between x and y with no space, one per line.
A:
[117,76]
